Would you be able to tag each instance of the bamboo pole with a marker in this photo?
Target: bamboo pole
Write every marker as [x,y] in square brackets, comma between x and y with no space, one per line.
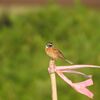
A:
[53,79]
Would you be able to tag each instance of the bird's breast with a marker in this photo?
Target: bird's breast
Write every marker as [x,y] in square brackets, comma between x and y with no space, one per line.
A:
[51,53]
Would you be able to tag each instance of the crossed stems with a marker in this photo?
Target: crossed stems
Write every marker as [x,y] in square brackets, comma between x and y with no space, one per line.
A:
[80,87]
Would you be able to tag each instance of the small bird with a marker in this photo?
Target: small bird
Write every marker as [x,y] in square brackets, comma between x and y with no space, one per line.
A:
[54,53]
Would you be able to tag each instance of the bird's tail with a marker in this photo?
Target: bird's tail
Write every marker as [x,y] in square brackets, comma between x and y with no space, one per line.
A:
[70,62]
[66,60]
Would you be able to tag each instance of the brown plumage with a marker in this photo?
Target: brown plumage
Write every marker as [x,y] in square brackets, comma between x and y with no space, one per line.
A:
[55,53]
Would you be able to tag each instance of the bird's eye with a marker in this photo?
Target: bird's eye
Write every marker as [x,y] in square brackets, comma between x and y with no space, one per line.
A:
[50,45]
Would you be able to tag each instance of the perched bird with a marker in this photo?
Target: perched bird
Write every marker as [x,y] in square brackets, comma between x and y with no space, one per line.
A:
[54,53]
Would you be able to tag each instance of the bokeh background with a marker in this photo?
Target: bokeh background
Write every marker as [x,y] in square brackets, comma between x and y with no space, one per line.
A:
[25,28]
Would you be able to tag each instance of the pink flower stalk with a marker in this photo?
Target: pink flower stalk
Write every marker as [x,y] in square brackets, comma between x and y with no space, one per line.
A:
[80,87]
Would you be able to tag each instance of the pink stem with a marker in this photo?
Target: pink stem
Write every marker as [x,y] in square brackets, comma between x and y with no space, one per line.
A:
[75,67]
[75,72]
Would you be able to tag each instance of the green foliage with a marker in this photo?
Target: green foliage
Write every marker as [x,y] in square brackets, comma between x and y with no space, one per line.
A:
[23,63]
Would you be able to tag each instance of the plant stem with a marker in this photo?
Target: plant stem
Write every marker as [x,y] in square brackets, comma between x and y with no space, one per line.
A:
[53,80]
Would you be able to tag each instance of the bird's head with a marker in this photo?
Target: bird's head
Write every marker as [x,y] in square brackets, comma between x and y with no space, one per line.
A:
[49,44]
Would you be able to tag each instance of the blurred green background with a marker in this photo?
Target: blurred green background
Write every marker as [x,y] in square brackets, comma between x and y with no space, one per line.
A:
[23,62]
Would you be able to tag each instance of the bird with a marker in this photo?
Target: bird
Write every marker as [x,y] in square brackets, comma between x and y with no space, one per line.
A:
[55,53]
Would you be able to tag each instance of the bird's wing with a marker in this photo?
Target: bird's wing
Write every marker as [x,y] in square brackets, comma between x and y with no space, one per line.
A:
[59,53]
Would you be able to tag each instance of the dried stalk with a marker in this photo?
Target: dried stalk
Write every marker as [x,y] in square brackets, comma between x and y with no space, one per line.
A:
[53,79]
